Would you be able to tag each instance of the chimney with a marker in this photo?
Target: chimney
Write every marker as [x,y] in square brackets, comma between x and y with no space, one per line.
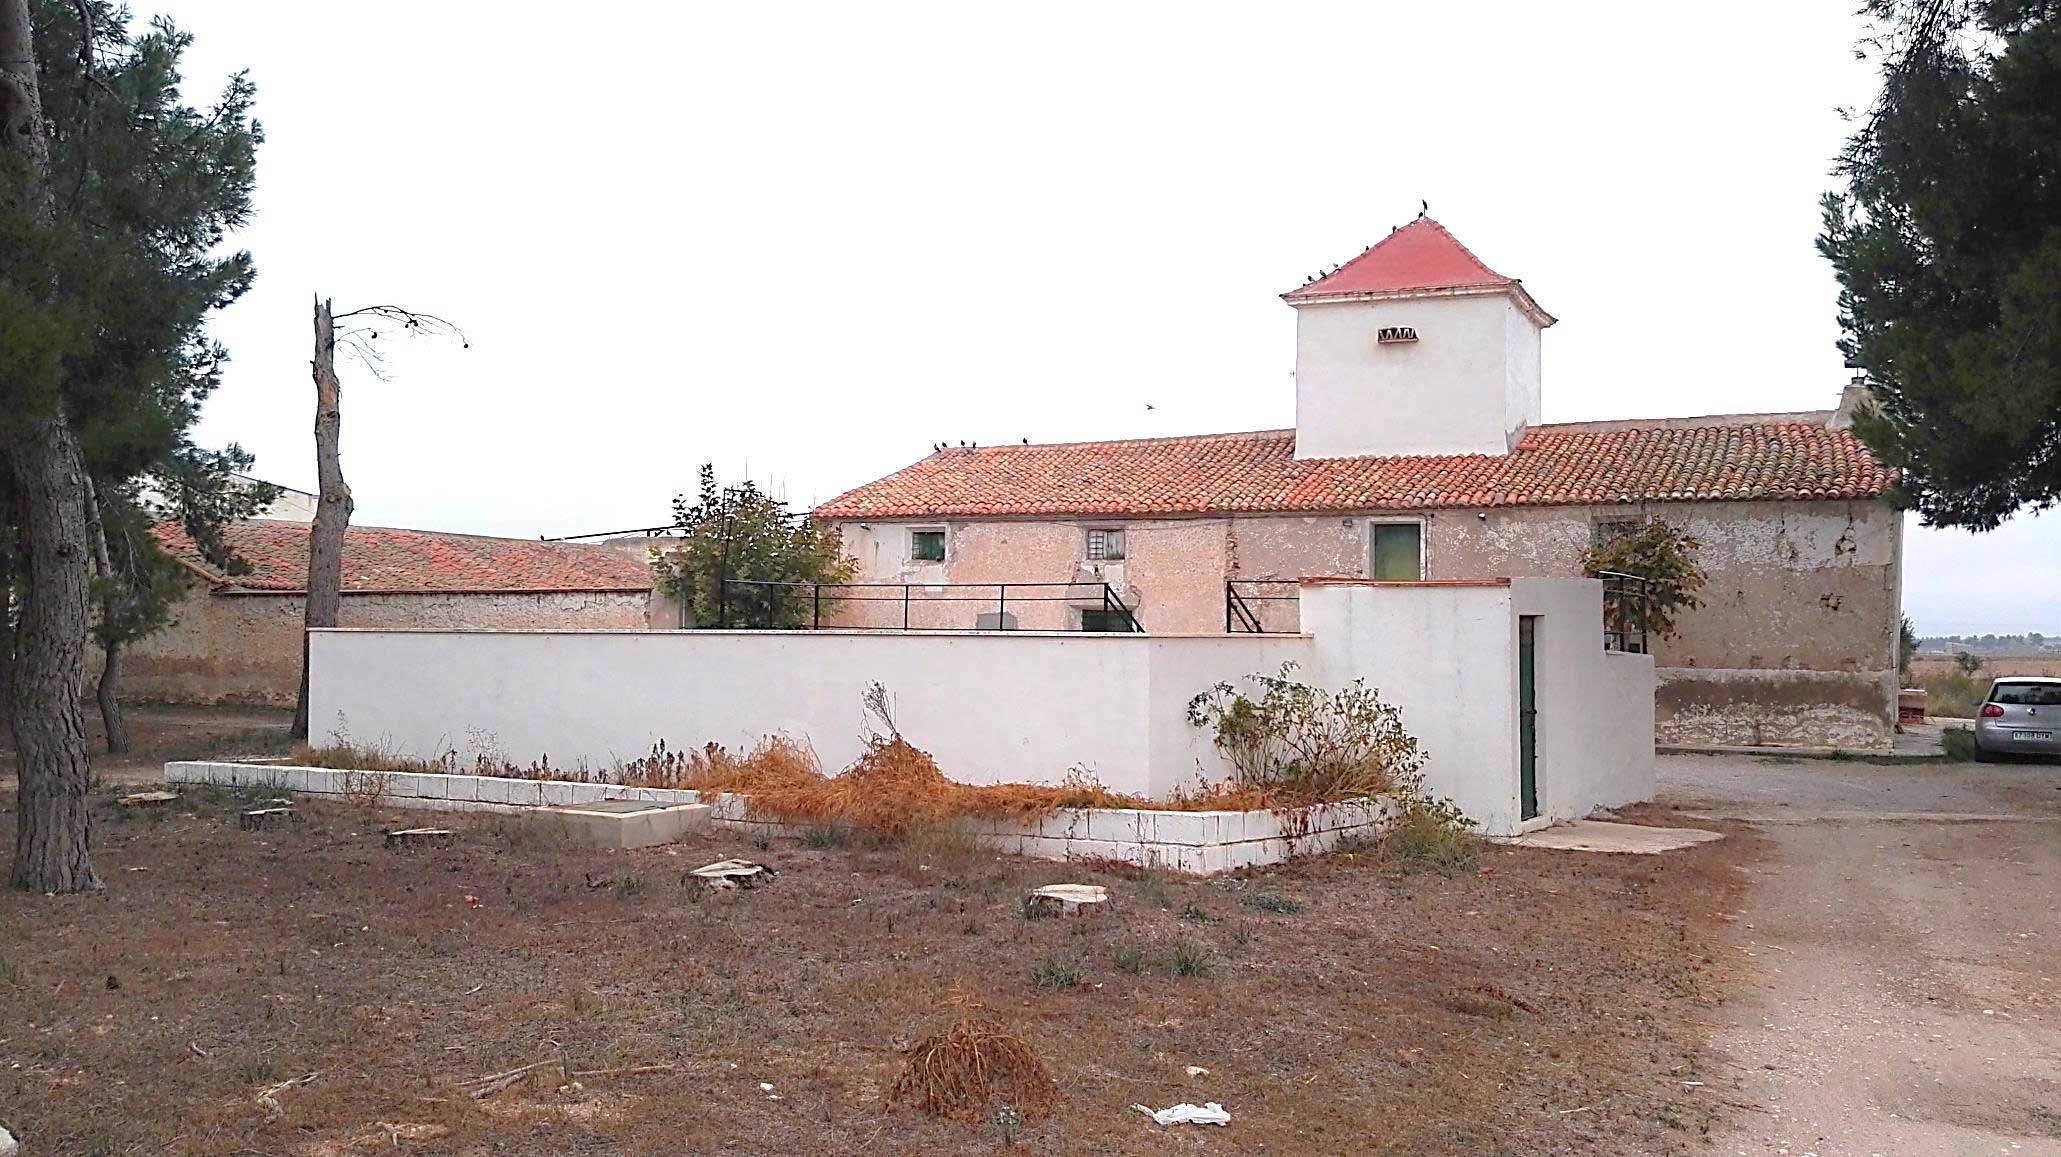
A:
[1853,397]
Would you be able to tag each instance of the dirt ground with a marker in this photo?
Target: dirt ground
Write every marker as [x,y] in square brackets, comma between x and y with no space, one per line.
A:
[1904,942]
[1550,1002]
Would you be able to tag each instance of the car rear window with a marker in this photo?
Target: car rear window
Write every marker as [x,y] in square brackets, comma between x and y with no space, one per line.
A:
[2027,694]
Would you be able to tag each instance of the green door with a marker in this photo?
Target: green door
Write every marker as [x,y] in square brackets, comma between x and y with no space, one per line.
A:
[1527,718]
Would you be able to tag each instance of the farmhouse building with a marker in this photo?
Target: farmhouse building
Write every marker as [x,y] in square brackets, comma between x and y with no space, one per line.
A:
[1418,455]
[237,637]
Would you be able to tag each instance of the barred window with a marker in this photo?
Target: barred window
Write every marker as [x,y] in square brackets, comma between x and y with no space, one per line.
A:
[1105,546]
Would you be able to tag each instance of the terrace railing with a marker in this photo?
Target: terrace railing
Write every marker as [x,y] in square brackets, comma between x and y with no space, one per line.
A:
[756,604]
[1242,607]
[1627,612]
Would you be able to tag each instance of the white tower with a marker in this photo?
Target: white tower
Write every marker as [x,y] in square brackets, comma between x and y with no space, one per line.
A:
[1415,347]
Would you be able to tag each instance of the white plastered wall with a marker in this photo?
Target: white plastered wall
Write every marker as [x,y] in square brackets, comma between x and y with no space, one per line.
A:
[1446,654]
[1464,386]
[1012,707]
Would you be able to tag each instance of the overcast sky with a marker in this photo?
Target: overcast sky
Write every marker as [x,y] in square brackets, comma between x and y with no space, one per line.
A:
[806,242]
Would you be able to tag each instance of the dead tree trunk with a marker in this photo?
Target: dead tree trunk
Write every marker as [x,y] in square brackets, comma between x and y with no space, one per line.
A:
[109,691]
[52,844]
[333,512]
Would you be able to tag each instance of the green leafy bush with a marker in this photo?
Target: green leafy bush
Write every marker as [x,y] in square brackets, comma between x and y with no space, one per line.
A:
[1663,555]
[732,538]
[1303,744]
[1959,743]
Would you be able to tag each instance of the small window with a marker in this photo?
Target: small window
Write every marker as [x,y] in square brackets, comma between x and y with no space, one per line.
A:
[1399,551]
[1105,621]
[927,546]
[1613,529]
[1105,546]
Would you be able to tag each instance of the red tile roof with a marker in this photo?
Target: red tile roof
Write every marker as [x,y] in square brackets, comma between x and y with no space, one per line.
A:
[1419,256]
[379,559]
[1779,458]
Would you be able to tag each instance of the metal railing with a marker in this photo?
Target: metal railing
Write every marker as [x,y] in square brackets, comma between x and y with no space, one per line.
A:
[1241,616]
[1627,612]
[813,597]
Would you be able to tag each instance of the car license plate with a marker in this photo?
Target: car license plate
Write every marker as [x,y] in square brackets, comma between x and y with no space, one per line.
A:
[2039,735]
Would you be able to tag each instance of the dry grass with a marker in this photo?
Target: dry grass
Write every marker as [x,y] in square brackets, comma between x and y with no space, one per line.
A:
[959,1072]
[248,959]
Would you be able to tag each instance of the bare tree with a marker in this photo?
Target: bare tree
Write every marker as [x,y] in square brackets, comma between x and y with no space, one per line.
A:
[108,694]
[45,666]
[333,512]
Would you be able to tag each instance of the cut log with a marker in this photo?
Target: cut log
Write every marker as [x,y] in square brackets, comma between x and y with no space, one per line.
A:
[148,798]
[267,818]
[420,837]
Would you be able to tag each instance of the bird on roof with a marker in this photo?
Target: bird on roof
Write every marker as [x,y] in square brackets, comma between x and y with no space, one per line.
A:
[1026,441]
[1426,209]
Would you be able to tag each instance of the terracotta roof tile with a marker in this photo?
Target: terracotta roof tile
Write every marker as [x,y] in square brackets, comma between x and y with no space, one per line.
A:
[1419,256]
[1258,472]
[383,559]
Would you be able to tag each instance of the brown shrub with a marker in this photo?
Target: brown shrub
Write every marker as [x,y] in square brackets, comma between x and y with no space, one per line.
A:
[957,1072]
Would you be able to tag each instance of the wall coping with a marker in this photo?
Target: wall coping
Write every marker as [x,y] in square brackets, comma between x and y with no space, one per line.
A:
[847,632]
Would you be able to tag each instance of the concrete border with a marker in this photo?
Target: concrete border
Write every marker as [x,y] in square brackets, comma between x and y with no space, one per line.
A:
[1197,842]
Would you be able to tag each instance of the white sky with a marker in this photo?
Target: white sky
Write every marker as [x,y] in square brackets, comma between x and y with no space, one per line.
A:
[808,241]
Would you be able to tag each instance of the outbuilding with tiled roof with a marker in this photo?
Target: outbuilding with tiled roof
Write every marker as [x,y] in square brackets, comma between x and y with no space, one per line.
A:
[237,633]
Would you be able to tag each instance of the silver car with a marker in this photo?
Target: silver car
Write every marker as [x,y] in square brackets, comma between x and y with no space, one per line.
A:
[2021,715]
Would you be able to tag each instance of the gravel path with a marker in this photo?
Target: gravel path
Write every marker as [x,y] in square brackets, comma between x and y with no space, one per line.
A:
[1903,951]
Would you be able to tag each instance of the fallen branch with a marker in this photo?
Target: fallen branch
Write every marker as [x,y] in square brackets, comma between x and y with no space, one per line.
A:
[269,1096]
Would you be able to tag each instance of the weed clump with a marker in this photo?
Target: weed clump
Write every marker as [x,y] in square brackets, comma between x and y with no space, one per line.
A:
[1430,834]
[1279,905]
[956,1073]
[1192,960]
[1054,972]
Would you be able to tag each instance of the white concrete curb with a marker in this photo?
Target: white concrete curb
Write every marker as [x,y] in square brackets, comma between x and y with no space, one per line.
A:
[1199,842]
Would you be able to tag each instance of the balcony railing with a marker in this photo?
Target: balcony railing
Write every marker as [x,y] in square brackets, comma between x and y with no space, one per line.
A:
[1243,607]
[757,604]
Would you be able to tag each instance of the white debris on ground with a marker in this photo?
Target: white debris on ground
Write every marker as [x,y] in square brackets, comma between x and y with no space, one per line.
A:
[731,874]
[1210,1113]
[8,1145]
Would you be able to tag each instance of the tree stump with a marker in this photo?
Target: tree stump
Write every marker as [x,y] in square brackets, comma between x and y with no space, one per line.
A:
[1065,899]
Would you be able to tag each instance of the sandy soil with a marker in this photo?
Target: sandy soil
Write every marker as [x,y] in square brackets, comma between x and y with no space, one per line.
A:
[1552,1002]
[1904,938]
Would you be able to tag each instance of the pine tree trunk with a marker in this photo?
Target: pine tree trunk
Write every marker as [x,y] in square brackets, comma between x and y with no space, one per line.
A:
[333,512]
[52,831]
[52,851]
[110,690]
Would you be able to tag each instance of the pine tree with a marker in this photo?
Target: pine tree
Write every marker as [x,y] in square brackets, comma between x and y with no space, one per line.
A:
[114,203]
[1947,243]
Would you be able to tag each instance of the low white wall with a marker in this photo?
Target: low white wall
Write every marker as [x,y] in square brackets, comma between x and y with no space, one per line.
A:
[1181,841]
[991,707]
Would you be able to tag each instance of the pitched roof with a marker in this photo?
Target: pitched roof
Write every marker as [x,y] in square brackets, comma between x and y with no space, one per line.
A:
[1712,459]
[1419,258]
[380,559]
